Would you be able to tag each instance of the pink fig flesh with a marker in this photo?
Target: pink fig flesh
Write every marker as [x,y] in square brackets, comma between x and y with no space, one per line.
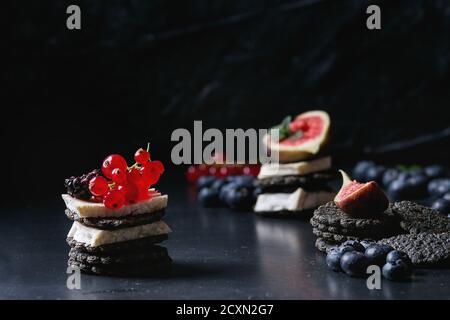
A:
[360,199]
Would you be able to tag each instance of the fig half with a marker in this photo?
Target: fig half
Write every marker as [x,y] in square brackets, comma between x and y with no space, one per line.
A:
[360,199]
[301,138]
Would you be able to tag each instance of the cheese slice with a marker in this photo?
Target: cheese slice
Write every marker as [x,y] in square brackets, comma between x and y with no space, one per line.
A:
[86,209]
[96,237]
[296,201]
[295,168]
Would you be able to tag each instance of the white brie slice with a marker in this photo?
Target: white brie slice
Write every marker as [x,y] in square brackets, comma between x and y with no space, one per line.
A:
[97,237]
[295,168]
[296,201]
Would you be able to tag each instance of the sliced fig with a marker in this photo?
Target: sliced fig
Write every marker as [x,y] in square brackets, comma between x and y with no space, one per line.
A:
[360,199]
[301,138]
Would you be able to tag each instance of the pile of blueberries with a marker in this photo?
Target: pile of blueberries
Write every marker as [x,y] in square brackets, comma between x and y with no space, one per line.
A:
[353,258]
[431,182]
[236,192]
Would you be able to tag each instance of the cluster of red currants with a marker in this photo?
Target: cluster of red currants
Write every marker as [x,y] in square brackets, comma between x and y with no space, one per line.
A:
[194,172]
[126,185]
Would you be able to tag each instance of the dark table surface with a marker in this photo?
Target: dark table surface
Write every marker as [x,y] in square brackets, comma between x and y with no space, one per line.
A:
[217,254]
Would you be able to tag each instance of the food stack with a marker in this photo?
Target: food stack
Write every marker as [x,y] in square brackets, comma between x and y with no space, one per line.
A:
[300,182]
[359,211]
[116,218]
[332,226]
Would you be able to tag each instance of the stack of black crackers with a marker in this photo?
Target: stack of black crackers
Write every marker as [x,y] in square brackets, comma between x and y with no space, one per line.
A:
[332,226]
[421,232]
[121,242]
[426,234]
[295,188]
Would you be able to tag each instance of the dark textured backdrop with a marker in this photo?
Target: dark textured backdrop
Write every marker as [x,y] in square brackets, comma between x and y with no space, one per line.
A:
[140,68]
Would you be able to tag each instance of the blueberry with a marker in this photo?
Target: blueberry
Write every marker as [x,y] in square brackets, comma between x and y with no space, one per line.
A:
[343,249]
[205,181]
[245,181]
[240,198]
[446,196]
[208,197]
[366,244]
[397,270]
[408,185]
[225,191]
[417,185]
[439,187]
[416,172]
[218,184]
[398,189]
[389,175]
[432,186]
[441,205]
[359,172]
[376,253]
[375,173]
[354,263]
[404,175]
[355,244]
[443,188]
[333,259]
[229,179]
[395,255]
[436,171]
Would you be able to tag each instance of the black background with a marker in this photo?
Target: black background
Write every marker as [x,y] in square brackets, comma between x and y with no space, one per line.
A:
[139,69]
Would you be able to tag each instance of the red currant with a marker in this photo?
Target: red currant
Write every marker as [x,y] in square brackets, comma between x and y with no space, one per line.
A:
[212,171]
[150,173]
[135,176]
[254,169]
[222,172]
[158,166]
[112,162]
[119,176]
[142,156]
[98,186]
[202,168]
[233,170]
[132,192]
[114,199]
[192,174]
[136,193]
[144,194]
[122,188]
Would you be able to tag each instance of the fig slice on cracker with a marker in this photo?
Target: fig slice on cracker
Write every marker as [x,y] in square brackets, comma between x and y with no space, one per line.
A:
[360,199]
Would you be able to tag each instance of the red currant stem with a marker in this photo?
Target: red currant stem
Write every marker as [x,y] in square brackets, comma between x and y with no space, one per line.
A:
[137,164]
